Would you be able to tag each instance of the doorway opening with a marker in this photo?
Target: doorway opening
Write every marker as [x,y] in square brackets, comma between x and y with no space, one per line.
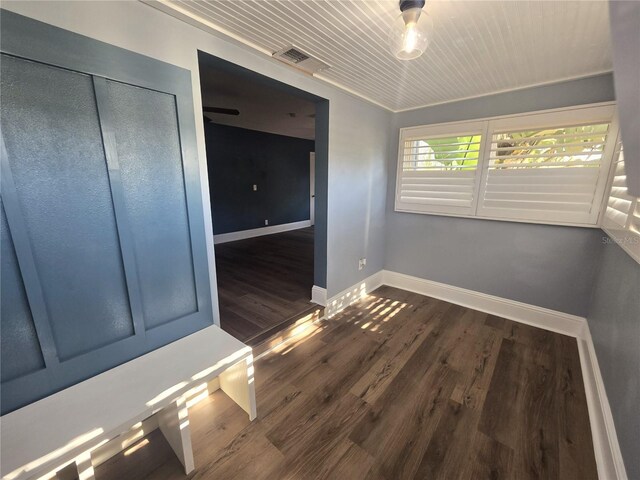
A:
[267,148]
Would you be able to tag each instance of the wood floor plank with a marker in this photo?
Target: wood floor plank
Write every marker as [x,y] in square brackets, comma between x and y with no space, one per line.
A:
[397,434]
[322,469]
[541,340]
[249,455]
[240,326]
[498,323]
[310,448]
[263,281]
[517,409]
[335,376]
[448,451]
[398,429]
[398,386]
[488,459]
[278,367]
[324,386]
[401,347]
[353,463]
[477,370]
[537,452]
[506,398]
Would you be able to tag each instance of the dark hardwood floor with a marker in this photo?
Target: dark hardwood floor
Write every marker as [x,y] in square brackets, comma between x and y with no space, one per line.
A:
[264,281]
[398,386]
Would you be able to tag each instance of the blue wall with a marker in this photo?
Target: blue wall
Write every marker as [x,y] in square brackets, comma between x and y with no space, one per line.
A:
[320,237]
[545,265]
[237,159]
[614,322]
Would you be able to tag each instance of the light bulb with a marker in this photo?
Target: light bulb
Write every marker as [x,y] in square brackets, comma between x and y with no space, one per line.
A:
[410,34]
[410,38]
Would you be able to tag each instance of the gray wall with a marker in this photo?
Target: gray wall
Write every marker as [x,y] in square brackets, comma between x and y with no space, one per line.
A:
[614,321]
[356,200]
[549,266]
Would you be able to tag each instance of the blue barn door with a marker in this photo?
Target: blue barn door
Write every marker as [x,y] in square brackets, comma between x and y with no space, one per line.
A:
[103,250]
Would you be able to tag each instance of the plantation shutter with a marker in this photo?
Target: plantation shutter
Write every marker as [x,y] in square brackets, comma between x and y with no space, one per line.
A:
[620,205]
[634,221]
[548,172]
[437,168]
[621,218]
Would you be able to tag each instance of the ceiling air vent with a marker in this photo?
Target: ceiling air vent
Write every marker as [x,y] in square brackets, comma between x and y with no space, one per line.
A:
[295,57]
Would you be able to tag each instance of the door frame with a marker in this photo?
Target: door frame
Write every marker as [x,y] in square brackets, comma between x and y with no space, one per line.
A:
[312,188]
[321,171]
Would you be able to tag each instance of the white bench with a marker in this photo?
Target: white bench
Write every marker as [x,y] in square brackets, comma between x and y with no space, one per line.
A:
[40,439]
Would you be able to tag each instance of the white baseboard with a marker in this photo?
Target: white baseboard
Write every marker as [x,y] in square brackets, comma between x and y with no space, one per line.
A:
[603,430]
[258,232]
[540,317]
[605,441]
[342,300]
[319,295]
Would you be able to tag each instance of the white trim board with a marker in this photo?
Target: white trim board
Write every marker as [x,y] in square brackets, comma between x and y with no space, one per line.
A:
[540,317]
[258,232]
[552,320]
[603,430]
[319,295]
[342,300]
[605,441]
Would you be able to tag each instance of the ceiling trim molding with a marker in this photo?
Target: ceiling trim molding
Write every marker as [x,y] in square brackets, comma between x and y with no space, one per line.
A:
[506,90]
[175,11]
[170,8]
[352,92]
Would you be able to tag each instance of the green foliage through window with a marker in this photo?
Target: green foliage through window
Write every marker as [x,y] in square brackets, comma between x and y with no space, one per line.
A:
[580,146]
[449,153]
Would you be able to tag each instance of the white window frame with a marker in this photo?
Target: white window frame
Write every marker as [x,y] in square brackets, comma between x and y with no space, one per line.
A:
[593,113]
[441,130]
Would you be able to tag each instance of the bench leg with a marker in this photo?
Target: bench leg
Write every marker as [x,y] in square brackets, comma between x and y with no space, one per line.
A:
[80,468]
[173,421]
[238,383]
[85,468]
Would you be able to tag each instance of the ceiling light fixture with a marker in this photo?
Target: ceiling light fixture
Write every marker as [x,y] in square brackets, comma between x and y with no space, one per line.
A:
[411,32]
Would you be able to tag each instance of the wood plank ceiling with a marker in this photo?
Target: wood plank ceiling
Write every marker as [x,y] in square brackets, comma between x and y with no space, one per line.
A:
[478,48]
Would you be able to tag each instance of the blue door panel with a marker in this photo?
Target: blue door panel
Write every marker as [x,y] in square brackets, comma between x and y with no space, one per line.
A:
[19,345]
[52,136]
[148,146]
[103,246]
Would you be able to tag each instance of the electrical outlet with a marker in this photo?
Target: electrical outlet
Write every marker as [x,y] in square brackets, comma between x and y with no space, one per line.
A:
[362,263]
[266,222]
[255,187]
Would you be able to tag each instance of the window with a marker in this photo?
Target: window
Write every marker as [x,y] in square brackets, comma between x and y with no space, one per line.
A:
[622,215]
[545,167]
[438,170]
